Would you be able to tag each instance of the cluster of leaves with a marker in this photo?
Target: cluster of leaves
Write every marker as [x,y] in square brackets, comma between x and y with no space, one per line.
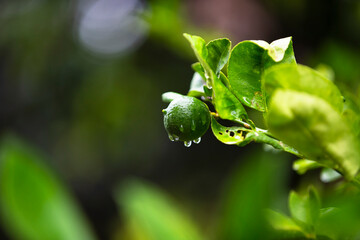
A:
[304,111]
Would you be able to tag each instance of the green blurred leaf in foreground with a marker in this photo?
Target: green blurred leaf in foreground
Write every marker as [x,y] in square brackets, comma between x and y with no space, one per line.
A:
[151,215]
[34,204]
[249,190]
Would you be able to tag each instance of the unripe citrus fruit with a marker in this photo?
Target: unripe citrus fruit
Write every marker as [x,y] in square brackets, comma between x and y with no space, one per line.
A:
[186,119]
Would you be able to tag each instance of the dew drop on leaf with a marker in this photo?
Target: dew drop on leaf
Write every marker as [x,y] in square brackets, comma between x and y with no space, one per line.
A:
[197,141]
[246,100]
[181,128]
[187,143]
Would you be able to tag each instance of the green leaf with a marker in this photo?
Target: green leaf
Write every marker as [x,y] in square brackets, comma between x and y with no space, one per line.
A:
[351,114]
[169,96]
[197,86]
[226,104]
[201,52]
[153,214]
[249,191]
[301,166]
[305,209]
[199,69]
[284,227]
[218,54]
[326,71]
[303,79]
[331,222]
[242,136]
[34,204]
[247,63]
[312,126]
[228,135]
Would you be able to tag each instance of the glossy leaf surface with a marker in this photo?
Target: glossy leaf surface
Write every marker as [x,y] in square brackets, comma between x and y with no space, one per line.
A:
[226,104]
[218,54]
[228,135]
[201,52]
[247,63]
[313,127]
[303,79]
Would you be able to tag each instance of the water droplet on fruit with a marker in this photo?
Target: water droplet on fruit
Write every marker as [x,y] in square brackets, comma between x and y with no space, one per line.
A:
[181,128]
[197,141]
[171,138]
[176,138]
[187,143]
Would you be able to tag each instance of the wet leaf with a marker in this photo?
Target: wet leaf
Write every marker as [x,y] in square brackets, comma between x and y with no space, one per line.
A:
[247,63]
[218,54]
[228,135]
[226,104]
[201,52]
[212,56]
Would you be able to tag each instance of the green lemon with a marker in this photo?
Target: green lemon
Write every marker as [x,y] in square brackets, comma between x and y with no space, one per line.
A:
[186,119]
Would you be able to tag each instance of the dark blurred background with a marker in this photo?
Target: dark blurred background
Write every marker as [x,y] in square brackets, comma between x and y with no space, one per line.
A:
[82,81]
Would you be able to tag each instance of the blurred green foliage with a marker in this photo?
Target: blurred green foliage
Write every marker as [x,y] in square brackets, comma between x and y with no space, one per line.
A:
[98,118]
[34,203]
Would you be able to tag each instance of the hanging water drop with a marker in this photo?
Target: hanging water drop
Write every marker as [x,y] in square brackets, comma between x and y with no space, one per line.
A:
[171,138]
[197,141]
[176,138]
[187,143]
